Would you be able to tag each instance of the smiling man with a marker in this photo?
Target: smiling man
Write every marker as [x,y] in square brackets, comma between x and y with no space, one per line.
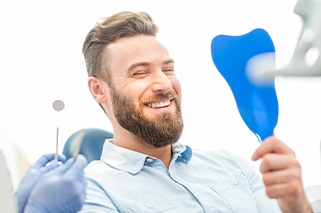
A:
[145,168]
[144,91]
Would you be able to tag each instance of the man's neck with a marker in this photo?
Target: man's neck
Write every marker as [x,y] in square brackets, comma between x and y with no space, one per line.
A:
[135,144]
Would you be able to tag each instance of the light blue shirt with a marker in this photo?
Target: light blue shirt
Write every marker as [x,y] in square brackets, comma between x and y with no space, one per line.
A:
[217,181]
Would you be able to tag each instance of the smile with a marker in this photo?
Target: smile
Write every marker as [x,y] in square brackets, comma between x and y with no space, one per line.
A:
[159,104]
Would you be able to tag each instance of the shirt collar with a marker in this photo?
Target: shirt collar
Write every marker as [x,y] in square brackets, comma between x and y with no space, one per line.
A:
[132,162]
[181,152]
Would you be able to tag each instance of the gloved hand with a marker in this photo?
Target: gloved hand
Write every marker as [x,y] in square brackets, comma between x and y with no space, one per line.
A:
[44,164]
[60,190]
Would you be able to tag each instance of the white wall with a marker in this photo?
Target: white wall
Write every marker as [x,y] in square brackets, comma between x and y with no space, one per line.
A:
[41,61]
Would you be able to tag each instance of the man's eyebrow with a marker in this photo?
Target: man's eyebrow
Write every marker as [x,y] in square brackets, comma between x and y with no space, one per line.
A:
[168,61]
[137,64]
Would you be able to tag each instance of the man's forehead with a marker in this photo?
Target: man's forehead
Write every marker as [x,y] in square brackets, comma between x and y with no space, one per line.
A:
[136,44]
[138,50]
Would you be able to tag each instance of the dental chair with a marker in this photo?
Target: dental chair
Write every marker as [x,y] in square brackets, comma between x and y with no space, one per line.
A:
[88,141]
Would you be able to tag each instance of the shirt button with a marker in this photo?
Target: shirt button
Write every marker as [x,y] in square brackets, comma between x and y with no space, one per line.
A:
[149,160]
[149,205]
[234,182]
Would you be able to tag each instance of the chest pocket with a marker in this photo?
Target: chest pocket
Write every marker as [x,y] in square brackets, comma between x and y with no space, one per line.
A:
[237,194]
[153,207]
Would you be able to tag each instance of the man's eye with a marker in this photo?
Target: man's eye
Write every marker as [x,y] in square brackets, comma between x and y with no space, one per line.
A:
[169,70]
[139,73]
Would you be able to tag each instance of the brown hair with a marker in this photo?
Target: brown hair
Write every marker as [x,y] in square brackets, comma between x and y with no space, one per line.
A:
[119,25]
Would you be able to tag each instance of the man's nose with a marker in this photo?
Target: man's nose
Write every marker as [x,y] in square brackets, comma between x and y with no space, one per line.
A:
[161,82]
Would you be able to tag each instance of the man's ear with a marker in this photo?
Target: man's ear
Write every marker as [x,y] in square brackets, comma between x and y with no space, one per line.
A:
[97,89]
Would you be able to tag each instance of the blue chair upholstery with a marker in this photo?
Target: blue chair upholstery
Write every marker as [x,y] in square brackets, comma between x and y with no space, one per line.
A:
[92,143]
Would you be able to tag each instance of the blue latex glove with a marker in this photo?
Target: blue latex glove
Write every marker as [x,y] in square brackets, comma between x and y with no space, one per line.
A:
[60,190]
[43,165]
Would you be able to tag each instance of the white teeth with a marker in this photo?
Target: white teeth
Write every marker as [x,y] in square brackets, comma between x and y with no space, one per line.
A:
[160,104]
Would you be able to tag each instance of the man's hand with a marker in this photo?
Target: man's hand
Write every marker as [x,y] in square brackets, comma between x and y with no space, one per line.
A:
[282,177]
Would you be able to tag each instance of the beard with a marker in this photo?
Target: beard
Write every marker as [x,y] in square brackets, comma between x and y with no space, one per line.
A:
[167,128]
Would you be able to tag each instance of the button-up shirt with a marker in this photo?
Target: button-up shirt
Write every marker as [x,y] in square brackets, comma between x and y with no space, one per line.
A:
[196,181]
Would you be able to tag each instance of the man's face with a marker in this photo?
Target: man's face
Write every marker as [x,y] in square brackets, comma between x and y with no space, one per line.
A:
[145,92]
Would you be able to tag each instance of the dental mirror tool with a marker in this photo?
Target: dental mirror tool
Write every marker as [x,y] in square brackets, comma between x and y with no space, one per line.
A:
[58,105]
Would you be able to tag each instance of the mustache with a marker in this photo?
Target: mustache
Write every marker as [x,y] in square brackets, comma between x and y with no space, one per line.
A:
[169,95]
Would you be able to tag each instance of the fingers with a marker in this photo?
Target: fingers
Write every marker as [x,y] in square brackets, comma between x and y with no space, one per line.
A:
[286,190]
[78,166]
[73,167]
[61,169]
[282,176]
[279,163]
[274,162]
[271,145]
[45,159]
[80,162]
[286,187]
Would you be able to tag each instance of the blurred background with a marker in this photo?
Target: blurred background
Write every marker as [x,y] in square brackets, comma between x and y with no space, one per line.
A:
[42,61]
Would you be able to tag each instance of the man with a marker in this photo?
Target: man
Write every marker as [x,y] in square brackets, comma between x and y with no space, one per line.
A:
[145,168]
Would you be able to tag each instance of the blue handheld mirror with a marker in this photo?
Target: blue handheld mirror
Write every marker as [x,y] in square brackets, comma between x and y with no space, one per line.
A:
[256,102]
